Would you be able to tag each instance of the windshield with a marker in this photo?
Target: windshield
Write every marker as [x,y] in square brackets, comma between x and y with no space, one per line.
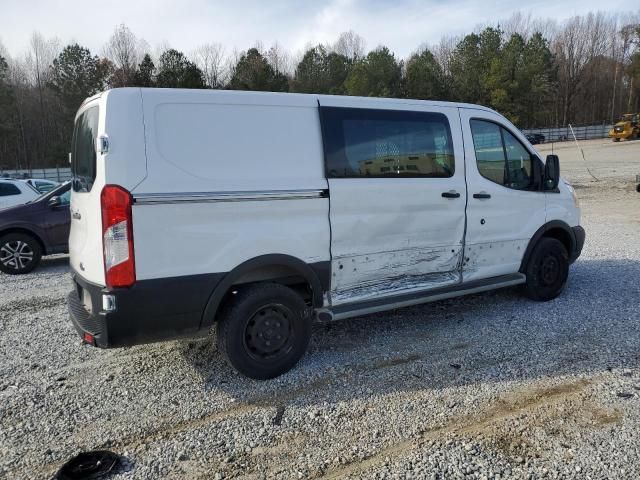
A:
[83,154]
[61,191]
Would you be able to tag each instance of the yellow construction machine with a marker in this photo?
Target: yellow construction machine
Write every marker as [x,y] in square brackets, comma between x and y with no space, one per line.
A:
[628,127]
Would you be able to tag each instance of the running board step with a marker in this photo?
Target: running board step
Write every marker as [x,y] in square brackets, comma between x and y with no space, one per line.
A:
[349,310]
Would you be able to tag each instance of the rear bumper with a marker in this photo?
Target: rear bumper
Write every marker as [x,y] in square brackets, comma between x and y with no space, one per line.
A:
[579,235]
[149,311]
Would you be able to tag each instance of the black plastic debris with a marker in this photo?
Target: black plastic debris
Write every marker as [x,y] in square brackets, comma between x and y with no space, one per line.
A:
[88,466]
[277,420]
[625,394]
[455,365]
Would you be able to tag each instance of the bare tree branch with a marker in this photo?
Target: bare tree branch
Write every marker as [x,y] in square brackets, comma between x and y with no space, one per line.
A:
[210,58]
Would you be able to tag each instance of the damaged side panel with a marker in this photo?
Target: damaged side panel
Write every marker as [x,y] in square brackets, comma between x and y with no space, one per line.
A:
[491,259]
[363,277]
[397,200]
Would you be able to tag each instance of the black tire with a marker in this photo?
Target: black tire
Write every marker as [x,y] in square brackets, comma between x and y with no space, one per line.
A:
[263,330]
[19,253]
[547,270]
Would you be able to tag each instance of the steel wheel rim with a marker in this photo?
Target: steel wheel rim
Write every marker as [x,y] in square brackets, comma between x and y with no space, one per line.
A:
[268,333]
[16,254]
[549,270]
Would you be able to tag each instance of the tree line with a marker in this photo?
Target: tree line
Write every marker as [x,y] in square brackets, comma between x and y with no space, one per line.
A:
[536,72]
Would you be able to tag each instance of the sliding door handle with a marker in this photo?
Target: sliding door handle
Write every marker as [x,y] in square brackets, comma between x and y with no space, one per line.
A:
[481,195]
[451,194]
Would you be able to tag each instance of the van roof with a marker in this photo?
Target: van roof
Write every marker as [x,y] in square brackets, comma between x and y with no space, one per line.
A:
[288,99]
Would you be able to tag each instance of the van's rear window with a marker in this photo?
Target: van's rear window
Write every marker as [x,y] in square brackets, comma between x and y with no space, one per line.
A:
[83,153]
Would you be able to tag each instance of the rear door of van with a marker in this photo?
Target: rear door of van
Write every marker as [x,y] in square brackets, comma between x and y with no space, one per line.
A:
[107,149]
[85,241]
[397,197]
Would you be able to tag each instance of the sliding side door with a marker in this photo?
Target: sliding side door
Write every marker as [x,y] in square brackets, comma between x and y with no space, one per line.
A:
[397,198]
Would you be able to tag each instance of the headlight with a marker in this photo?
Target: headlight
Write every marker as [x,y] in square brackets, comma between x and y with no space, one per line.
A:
[576,202]
[572,191]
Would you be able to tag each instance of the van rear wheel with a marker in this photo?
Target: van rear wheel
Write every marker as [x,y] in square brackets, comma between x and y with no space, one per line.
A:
[19,253]
[547,270]
[264,330]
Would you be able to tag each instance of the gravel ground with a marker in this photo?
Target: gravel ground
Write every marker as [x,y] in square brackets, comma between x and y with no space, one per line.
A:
[486,386]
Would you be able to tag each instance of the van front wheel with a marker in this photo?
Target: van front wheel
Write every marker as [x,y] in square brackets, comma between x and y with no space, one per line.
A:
[263,330]
[547,270]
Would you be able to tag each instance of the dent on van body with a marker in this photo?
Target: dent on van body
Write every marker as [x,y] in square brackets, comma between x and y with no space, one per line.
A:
[493,258]
[362,277]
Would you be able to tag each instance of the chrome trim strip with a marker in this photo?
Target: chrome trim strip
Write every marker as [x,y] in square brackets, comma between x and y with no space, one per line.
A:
[209,197]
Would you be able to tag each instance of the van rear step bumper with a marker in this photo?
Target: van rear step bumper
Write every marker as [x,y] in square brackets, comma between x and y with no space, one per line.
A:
[149,311]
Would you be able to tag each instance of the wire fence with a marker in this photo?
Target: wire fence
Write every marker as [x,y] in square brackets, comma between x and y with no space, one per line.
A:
[55,174]
[563,134]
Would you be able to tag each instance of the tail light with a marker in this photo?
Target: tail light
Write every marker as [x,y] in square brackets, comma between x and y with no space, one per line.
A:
[117,237]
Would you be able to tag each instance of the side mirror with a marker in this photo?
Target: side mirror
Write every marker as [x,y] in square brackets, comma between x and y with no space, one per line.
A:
[551,172]
[54,202]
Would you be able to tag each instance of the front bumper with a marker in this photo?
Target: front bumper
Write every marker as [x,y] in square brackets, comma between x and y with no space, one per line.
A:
[149,311]
[579,235]
[621,135]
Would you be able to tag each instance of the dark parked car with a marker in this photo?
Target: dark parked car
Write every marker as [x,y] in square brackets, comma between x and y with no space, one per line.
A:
[535,138]
[34,229]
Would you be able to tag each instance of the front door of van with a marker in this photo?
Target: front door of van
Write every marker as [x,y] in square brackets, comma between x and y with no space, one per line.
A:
[506,205]
[397,198]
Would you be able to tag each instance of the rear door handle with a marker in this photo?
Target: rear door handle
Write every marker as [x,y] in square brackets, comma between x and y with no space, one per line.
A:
[481,195]
[451,194]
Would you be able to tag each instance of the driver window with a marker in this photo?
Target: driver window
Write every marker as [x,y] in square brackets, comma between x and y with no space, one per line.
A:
[501,157]
[518,162]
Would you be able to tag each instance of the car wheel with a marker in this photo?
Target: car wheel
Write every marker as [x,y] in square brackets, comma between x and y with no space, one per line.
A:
[263,330]
[19,253]
[547,270]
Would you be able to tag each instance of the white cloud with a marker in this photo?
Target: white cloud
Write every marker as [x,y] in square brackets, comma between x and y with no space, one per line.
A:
[402,25]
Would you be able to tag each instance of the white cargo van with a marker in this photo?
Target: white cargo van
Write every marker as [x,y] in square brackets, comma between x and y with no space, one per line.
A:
[262,212]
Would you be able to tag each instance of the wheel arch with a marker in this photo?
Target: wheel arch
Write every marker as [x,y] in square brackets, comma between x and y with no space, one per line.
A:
[268,267]
[554,229]
[26,231]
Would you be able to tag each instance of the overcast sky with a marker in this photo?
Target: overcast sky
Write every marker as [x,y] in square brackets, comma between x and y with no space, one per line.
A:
[402,25]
